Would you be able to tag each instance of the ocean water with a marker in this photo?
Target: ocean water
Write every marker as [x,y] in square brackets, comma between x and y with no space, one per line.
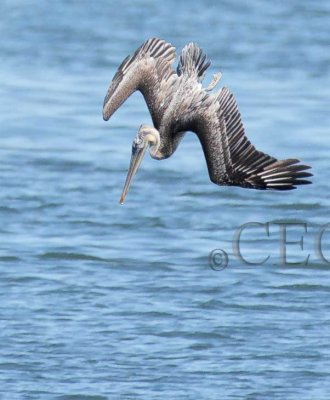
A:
[102,301]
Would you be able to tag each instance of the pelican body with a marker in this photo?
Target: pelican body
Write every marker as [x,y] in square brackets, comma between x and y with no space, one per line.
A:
[178,103]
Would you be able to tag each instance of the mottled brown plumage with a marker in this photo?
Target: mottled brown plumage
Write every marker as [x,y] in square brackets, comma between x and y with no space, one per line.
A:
[178,103]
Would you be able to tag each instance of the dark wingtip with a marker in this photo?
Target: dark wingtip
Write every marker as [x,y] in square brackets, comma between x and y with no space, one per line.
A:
[105,115]
[285,175]
[105,111]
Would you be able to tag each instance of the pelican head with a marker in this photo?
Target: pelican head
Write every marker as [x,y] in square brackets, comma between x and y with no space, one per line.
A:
[146,136]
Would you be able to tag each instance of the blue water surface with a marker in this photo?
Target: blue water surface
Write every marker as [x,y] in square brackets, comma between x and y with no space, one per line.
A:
[101,301]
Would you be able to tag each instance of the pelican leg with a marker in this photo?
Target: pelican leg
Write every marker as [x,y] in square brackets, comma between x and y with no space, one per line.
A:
[216,78]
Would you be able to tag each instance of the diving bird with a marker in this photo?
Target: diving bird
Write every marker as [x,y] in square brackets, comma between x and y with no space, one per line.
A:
[178,103]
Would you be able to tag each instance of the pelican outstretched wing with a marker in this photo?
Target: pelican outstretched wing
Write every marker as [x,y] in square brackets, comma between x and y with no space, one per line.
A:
[149,70]
[193,62]
[230,157]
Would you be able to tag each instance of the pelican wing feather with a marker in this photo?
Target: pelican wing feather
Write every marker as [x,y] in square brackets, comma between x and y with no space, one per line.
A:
[148,70]
[230,156]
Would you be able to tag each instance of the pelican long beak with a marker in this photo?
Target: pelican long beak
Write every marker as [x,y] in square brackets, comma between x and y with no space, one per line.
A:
[137,156]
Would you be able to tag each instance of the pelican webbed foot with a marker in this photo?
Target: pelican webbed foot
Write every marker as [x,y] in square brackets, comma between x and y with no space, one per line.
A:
[216,78]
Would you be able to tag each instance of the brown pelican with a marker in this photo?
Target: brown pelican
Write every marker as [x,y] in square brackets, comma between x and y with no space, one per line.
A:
[178,103]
